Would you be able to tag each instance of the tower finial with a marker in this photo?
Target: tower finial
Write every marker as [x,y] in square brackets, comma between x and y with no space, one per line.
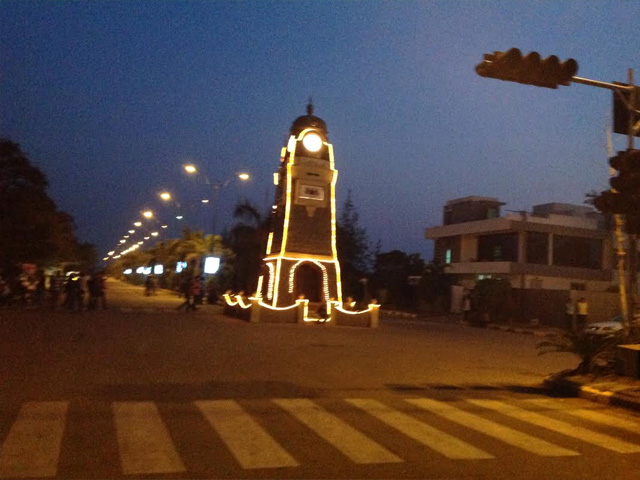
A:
[310,106]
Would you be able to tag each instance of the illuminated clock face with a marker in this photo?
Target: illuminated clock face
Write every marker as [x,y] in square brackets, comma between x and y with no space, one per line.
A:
[312,142]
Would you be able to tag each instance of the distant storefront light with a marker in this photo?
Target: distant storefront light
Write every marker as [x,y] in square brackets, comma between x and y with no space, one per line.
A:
[211,265]
[128,271]
[158,270]
[140,270]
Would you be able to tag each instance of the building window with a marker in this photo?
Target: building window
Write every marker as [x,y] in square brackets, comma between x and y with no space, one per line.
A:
[577,252]
[498,248]
[578,286]
[447,256]
[537,248]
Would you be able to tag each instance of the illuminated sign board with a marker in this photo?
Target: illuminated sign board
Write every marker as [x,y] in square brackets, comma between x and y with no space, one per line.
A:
[211,265]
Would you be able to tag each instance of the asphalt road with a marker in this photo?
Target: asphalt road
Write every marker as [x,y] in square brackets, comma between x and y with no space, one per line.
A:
[142,390]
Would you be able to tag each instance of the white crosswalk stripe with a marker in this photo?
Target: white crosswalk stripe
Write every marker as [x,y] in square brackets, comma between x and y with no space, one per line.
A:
[143,440]
[602,417]
[589,436]
[249,443]
[345,438]
[492,429]
[427,435]
[33,445]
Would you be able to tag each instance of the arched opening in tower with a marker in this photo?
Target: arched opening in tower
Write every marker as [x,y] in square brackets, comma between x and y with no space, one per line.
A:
[308,282]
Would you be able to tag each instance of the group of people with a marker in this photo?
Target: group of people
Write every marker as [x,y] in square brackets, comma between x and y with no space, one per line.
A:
[577,314]
[76,291]
[85,292]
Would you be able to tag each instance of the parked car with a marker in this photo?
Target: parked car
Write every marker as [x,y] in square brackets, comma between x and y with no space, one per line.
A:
[611,327]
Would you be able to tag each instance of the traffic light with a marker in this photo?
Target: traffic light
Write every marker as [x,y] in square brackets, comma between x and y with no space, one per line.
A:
[611,202]
[511,66]
[627,182]
[624,197]
[621,112]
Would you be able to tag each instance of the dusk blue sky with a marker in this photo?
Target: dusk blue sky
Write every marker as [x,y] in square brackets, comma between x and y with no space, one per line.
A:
[109,99]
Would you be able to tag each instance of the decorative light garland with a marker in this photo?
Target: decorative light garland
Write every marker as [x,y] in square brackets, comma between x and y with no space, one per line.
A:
[271,280]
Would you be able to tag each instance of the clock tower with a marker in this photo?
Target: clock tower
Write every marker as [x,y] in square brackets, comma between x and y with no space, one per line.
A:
[301,259]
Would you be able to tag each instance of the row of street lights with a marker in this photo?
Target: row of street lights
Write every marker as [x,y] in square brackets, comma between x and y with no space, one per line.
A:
[166,196]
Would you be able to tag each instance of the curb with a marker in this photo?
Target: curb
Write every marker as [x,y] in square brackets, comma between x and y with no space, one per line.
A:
[396,313]
[587,392]
[608,398]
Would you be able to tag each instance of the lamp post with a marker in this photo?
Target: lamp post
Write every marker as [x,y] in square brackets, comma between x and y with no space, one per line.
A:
[217,185]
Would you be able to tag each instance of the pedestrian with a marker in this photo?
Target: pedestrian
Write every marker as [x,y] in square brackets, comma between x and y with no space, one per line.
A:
[199,297]
[83,289]
[570,315]
[195,292]
[349,304]
[95,288]
[148,286]
[101,290]
[466,307]
[185,289]
[55,287]
[40,280]
[582,308]
[71,291]
[5,292]
[323,312]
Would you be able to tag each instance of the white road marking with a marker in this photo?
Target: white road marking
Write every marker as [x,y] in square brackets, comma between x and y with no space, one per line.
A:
[427,435]
[341,435]
[32,446]
[589,436]
[591,414]
[143,440]
[249,443]
[492,429]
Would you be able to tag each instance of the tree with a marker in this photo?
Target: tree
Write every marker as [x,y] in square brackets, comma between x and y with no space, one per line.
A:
[33,229]
[493,298]
[592,349]
[435,284]
[247,239]
[354,251]
[391,276]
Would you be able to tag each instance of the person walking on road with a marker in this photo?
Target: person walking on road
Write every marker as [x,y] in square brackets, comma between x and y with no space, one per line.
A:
[187,292]
[582,308]
[570,315]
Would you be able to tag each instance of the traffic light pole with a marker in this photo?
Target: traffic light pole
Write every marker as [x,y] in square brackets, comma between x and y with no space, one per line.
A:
[550,72]
[633,238]
[628,304]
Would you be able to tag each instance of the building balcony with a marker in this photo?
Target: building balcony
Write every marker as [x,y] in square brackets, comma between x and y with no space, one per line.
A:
[514,268]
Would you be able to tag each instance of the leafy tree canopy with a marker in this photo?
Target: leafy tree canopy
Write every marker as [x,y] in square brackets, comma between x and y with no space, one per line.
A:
[354,250]
[32,229]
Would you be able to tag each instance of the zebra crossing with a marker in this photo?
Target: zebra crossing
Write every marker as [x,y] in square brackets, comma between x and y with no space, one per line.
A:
[31,442]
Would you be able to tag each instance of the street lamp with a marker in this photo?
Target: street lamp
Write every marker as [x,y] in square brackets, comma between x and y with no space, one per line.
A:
[192,169]
[147,214]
